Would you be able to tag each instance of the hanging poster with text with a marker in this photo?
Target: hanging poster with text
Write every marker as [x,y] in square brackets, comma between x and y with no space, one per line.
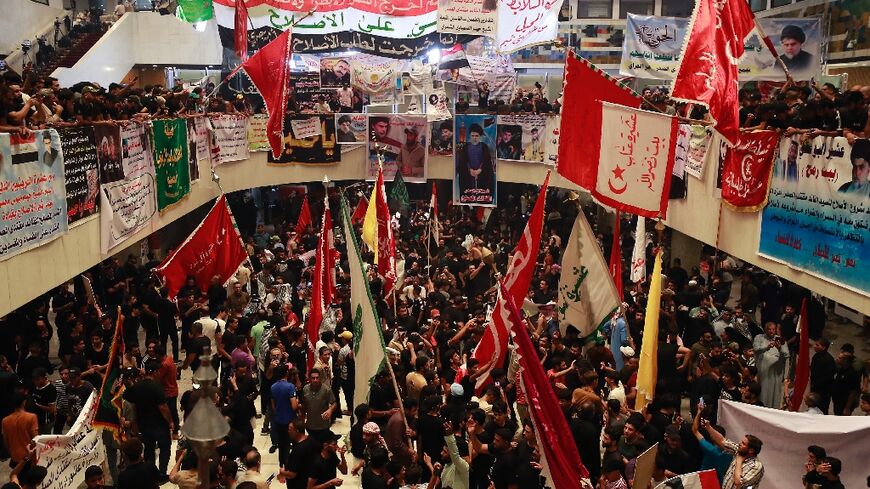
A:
[230,136]
[197,144]
[80,169]
[136,151]
[352,128]
[441,138]
[817,219]
[32,195]
[373,74]
[170,161]
[66,457]
[126,206]
[320,149]
[522,23]
[474,180]
[437,108]
[652,48]
[306,91]
[401,141]
[108,141]
[305,128]
[551,139]
[700,138]
[472,17]
[521,137]
[257,139]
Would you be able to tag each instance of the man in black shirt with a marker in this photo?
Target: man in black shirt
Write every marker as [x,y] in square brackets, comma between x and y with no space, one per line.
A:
[138,474]
[153,419]
[324,472]
[301,459]
[823,368]
[42,400]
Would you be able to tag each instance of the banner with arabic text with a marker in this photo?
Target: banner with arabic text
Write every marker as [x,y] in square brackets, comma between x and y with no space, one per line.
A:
[521,137]
[474,158]
[198,144]
[66,457]
[401,140]
[373,74]
[817,219]
[32,194]
[551,139]
[170,161]
[471,17]
[746,171]
[524,23]
[126,206]
[319,149]
[652,46]
[257,140]
[230,137]
[136,156]
[700,139]
[81,172]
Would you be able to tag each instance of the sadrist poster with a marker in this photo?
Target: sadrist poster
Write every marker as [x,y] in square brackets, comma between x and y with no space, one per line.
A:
[318,149]
[521,137]
[471,17]
[108,141]
[80,172]
[352,128]
[817,219]
[170,161]
[32,194]
[400,141]
[441,140]
[335,73]
[475,160]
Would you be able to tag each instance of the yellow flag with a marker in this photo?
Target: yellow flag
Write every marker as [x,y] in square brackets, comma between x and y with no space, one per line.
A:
[370,223]
[648,368]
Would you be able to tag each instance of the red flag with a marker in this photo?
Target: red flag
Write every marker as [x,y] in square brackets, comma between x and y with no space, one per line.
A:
[304,218]
[435,226]
[746,171]
[585,87]
[802,367]
[213,249]
[386,242]
[560,460]
[616,259]
[269,71]
[240,31]
[517,280]
[359,213]
[323,282]
[707,74]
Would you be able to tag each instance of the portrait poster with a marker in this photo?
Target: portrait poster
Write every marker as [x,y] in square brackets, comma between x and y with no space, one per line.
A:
[320,149]
[80,170]
[108,141]
[475,178]
[401,141]
[817,218]
[521,137]
[352,128]
[700,138]
[470,17]
[136,156]
[198,146]
[257,140]
[437,105]
[306,91]
[441,138]
[335,73]
[32,189]
[170,160]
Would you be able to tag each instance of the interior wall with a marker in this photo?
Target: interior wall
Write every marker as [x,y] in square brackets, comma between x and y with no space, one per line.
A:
[24,18]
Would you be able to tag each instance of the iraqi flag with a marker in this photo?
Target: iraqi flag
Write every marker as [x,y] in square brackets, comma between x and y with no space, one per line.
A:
[705,479]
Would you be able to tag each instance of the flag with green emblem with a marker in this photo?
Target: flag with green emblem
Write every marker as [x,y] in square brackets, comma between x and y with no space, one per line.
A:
[399,194]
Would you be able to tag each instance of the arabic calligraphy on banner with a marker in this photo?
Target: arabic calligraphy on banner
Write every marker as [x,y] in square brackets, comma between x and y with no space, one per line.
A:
[652,48]
[700,138]
[230,137]
[521,137]
[170,161]
[126,207]
[66,457]
[257,140]
[320,149]
[746,172]
[32,194]
[817,219]
[472,17]
[80,172]
[136,157]
[372,74]
[524,23]
[402,140]
[108,141]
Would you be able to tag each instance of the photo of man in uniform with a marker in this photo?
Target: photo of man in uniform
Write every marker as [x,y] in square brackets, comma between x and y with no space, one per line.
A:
[412,157]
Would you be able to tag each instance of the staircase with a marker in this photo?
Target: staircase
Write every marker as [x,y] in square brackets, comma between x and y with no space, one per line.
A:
[67,57]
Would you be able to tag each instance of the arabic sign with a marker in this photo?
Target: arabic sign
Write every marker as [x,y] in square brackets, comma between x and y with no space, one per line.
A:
[524,23]
[437,107]
[32,195]
[126,207]
[373,74]
[474,180]
[700,138]
[318,149]
[521,137]
[66,457]
[257,140]
[401,140]
[80,171]
[170,161]
[229,137]
[817,219]
[305,128]
[473,17]
[136,157]
[653,44]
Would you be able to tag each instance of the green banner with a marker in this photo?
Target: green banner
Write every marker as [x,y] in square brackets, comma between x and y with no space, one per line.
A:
[171,161]
[195,10]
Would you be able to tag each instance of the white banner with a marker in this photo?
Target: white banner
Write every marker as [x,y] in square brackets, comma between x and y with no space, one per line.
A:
[699,145]
[66,457]
[373,74]
[305,128]
[523,23]
[786,436]
[473,17]
[200,134]
[136,157]
[230,137]
[126,207]
[551,141]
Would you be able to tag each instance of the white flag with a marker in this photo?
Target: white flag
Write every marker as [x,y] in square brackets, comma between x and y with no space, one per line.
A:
[638,256]
[368,343]
[587,294]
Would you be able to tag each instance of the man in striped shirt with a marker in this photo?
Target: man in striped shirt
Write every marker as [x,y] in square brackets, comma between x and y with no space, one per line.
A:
[746,470]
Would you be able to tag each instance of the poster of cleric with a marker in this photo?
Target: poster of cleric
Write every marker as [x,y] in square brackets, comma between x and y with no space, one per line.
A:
[818,216]
[474,158]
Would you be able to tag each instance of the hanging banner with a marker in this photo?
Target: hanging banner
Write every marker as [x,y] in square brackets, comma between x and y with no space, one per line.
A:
[135,150]
[437,108]
[230,136]
[746,173]
[652,48]
[126,207]
[475,179]
[80,168]
[320,149]
[401,140]
[551,139]
[441,138]
[198,146]
[257,140]
[418,79]
[67,456]
[817,219]
[700,138]
[352,128]
[32,196]
[523,24]
[306,91]
[373,74]
[521,137]
[170,161]
[108,141]
[472,17]
[334,73]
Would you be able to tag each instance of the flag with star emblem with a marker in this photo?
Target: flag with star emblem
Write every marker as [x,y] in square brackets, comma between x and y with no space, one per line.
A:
[636,160]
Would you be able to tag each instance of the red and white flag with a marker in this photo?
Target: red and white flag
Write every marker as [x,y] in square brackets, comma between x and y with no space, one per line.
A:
[585,86]
[214,248]
[433,209]
[269,71]
[378,233]
[802,367]
[746,171]
[707,74]
[615,264]
[517,280]
[359,212]
[638,254]
[705,479]
[322,283]
[240,33]
[561,464]
[304,219]
[635,160]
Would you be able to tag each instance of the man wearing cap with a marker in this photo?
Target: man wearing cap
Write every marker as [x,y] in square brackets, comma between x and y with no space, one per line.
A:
[792,39]
[412,156]
[77,392]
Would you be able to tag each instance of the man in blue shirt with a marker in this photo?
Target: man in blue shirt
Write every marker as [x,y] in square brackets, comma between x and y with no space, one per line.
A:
[714,457]
[618,332]
[284,407]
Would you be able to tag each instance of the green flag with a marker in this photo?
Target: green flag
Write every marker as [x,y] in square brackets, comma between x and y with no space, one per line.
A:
[171,161]
[368,343]
[194,11]
[399,194]
[108,414]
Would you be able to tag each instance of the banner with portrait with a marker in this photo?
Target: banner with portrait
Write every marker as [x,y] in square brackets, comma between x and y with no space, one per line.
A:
[352,128]
[521,137]
[401,141]
[32,193]
[817,219]
[257,139]
[136,156]
[335,73]
[319,149]
[229,137]
[198,144]
[81,172]
[474,157]
[441,138]
[170,161]
[306,91]
[437,106]
[700,139]
[108,141]
[551,139]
